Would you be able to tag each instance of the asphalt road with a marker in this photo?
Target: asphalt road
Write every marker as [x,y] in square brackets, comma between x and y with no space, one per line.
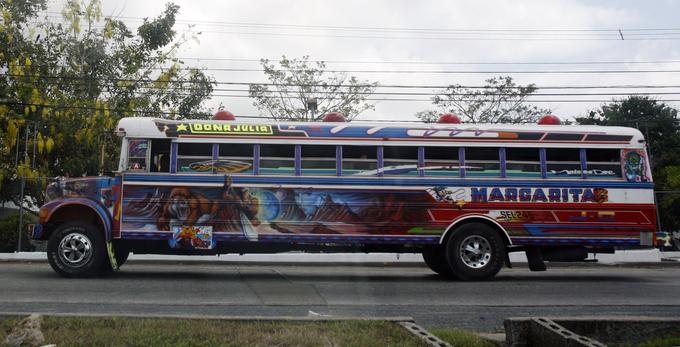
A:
[294,290]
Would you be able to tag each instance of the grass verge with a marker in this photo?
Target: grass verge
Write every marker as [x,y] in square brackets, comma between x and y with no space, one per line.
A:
[457,337]
[121,331]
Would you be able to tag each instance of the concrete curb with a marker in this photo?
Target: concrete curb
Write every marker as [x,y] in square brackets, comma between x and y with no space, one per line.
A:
[424,335]
[586,331]
[215,317]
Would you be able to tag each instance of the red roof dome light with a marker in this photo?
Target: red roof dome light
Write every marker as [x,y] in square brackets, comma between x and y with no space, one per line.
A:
[224,115]
[449,118]
[549,119]
[334,117]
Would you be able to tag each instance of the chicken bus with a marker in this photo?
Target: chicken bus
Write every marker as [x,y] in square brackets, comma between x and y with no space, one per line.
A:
[463,195]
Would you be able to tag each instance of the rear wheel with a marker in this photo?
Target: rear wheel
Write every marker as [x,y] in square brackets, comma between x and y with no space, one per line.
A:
[475,251]
[76,249]
[435,258]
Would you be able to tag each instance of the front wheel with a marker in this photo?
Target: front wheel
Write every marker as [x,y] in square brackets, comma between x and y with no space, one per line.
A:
[475,251]
[76,249]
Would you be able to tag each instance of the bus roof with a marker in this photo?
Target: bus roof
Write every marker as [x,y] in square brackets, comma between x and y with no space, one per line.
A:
[358,132]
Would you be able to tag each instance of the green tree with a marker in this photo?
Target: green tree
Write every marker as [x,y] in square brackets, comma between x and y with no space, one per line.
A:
[295,81]
[73,81]
[660,125]
[501,100]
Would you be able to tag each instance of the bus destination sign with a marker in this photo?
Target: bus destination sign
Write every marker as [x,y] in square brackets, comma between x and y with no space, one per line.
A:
[223,129]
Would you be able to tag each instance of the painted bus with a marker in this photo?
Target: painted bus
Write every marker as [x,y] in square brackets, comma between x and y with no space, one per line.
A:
[463,195]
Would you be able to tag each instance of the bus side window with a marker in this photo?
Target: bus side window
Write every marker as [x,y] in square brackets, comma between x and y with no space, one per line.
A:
[522,162]
[160,155]
[138,151]
[194,157]
[482,162]
[603,163]
[359,160]
[234,158]
[563,162]
[277,159]
[442,161]
[400,160]
[317,160]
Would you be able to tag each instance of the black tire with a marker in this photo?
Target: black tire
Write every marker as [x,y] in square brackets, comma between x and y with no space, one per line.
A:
[122,253]
[471,265]
[435,258]
[76,249]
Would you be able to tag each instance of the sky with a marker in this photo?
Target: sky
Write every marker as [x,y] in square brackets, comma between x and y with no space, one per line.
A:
[473,37]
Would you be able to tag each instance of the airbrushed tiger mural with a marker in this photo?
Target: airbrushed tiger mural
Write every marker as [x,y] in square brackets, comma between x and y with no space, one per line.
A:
[255,211]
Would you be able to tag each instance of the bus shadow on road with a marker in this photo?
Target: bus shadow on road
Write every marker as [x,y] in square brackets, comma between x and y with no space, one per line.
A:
[231,274]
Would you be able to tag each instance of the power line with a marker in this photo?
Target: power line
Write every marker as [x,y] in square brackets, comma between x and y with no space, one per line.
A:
[443,62]
[446,71]
[466,94]
[562,35]
[332,98]
[81,80]
[421,29]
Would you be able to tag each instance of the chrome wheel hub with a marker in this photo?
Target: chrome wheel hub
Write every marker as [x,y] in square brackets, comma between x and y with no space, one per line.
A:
[75,249]
[475,251]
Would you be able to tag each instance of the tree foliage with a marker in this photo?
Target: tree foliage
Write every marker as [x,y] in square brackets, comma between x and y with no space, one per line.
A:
[660,125]
[501,100]
[294,81]
[72,81]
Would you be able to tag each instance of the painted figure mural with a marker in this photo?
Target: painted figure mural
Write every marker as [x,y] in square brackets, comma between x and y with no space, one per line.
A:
[254,211]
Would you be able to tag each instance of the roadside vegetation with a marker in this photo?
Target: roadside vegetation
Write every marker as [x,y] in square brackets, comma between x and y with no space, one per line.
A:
[120,331]
[458,337]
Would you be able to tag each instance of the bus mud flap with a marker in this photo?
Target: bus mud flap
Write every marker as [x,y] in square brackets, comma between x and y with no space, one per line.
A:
[112,255]
[535,259]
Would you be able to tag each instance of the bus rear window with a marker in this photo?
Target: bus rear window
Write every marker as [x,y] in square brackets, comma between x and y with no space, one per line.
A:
[603,163]
[563,162]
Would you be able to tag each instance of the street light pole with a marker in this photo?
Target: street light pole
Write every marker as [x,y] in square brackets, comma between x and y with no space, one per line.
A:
[311,106]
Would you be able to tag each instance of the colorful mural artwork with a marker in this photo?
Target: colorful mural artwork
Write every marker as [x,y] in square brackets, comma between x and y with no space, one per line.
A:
[634,165]
[195,217]
[219,166]
[192,237]
[256,211]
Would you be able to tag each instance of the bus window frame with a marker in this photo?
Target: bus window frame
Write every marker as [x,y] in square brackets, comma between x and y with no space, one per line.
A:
[217,157]
[380,160]
[618,164]
[177,157]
